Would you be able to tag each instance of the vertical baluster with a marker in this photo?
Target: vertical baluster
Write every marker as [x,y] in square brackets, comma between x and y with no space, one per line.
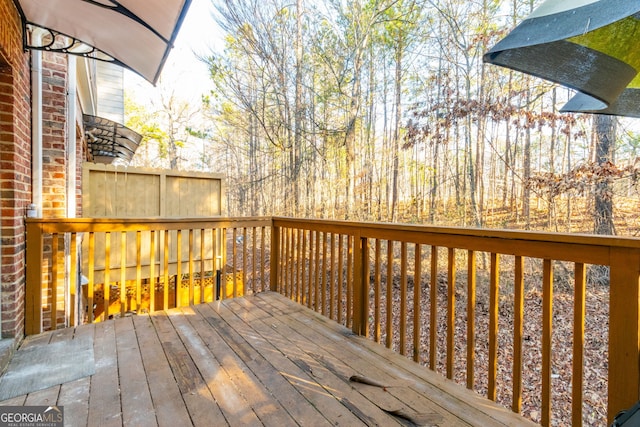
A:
[311,271]
[299,265]
[377,283]
[216,247]
[518,322]
[203,241]
[223,262]
[350,255]
[245,274]
[165,271]
[332,277]
[316,295]
[152,273]
[179,293]
[234,269]
[324,274]
[53,315]
[91,278]
[295,264]
[471,318]
[292,262]
[304,276]
[254,260]
[547,327]
[262,257]
[364,274]
[279,238]
[403,297]
[73,281]
[285,261]
[274,261]
[340,276]
[123,273]
[451,310]
[191,267]
[417,284]
[579,312]
[433,309]
[138,270]
[107,272]
[389,296]
[493,325]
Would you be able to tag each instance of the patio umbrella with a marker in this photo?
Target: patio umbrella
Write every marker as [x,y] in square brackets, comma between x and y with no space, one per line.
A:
[587,45]
[137,34]
[627,104]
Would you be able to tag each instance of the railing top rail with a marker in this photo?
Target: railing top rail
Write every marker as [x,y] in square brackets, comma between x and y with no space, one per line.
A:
[374,227]
[84,225]
[560,246]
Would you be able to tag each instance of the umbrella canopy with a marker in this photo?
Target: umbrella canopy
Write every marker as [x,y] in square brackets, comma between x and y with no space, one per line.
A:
[137,34]
[627,104]
[587,45]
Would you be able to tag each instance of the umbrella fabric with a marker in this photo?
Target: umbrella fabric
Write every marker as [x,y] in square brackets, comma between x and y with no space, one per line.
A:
[587,45]
[627,104]
[137,34]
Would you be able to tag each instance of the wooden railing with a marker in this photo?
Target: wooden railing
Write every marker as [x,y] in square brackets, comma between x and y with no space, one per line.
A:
[400,285]
[85,270]
[459,301]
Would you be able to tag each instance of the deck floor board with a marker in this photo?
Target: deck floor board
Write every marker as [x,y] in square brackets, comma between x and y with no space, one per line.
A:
[137,406]
[170,408]
[257,360]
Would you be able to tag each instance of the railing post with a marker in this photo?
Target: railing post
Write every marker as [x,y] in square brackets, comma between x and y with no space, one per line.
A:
[33,288]
[624,330]
[274,257]
[360,285]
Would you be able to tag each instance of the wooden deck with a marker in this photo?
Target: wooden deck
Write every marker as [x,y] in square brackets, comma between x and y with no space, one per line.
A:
[258,360]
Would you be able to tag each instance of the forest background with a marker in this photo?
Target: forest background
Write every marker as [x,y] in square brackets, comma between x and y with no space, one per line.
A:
[383,110]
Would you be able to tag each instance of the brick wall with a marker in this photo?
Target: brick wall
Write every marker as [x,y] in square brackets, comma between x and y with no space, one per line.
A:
[54,134]
[15,167]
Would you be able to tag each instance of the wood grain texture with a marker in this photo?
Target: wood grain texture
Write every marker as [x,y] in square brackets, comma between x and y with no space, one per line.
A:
[256,360]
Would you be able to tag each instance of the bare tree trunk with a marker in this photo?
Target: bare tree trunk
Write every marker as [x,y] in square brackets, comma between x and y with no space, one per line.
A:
[526,166]
[372,161]
[396,130]
[605,135]
[298,114]
[552,160]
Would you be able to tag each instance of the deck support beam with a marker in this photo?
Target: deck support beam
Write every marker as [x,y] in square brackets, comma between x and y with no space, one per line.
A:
[274,258]
[360,285]
[33,287]
[624,330]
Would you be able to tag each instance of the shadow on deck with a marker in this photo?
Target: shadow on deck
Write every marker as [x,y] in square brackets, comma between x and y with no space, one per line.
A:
[258,360]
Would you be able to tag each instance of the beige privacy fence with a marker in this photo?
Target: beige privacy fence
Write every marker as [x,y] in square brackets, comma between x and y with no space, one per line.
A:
[122,192]
[118,192]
